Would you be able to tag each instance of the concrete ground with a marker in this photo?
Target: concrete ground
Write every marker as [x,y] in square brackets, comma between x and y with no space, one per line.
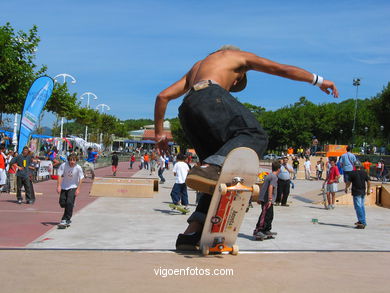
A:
[126,244]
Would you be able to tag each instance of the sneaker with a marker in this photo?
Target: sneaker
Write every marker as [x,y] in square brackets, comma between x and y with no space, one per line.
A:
[188,242]
[277,204]
[333,206]
[269,233]
[63,223]
[19,201]
[68,222]
[360,226]
[203,179]
[358,223]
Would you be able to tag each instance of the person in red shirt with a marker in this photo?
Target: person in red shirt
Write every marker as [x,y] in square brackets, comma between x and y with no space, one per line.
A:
[367,165]
[331,183]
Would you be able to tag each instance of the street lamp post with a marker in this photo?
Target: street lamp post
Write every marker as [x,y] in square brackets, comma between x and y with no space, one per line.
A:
[64,75]
[102,107]
[382,139]
[87,94]
[365,138]
[341,136]
[356,82]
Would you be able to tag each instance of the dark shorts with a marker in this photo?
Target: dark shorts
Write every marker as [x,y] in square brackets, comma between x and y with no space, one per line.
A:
[215,123]
[347,176]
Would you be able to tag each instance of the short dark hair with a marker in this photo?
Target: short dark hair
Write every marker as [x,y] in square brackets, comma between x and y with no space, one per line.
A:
[73,156]
[348,148]
[275,166]
[181,157]
[25,148]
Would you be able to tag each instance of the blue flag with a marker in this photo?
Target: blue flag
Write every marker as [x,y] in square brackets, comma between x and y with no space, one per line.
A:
[37,96]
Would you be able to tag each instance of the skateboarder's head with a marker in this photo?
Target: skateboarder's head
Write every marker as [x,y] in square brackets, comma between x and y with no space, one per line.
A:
[181,157]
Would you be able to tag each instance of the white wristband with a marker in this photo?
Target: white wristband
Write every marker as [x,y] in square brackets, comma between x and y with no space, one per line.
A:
[317,80]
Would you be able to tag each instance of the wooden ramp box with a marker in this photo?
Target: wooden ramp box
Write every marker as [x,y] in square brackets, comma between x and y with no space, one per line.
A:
[124,187]
[383,196]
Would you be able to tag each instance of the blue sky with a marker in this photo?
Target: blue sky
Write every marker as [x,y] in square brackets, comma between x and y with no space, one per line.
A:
[126,52]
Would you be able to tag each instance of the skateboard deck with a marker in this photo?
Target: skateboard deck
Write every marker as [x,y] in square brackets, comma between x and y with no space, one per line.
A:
[178,208]
[230,201]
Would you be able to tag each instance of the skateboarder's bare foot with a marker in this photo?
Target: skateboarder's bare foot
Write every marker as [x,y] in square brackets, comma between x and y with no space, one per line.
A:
[203,178]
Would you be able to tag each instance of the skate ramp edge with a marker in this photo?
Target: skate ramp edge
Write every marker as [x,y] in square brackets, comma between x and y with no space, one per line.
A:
[124,187]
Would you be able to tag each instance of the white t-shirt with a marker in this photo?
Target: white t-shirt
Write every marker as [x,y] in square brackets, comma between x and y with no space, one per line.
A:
[307,165]
[181,170]
[71,176]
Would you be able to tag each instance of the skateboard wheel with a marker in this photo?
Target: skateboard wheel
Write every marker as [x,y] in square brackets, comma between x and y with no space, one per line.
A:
[235,249]
[223,189]
[205,250]
[255,190]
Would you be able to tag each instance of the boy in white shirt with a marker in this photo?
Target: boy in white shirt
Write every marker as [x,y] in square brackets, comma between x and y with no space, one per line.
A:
[70,177]
[179,191]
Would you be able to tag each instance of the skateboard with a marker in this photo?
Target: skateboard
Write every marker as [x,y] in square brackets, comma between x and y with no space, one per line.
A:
[178,208]
[63,226]
[230,201]
[262,236]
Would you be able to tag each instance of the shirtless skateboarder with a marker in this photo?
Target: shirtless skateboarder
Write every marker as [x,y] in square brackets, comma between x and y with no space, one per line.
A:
[215,122]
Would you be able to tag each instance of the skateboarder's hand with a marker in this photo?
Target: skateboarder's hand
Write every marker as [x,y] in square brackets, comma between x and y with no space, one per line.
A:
[58,189]
[346,190]
[162,144]
[77,192]
[328,85]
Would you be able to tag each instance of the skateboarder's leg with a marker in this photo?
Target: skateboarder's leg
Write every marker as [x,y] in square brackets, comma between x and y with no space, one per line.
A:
[184,194]
[175,194]
[69,203]
[215,125]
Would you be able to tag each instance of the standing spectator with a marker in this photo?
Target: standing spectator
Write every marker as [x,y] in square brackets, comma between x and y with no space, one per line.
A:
[331,183]
[90,161]
[12,168]
[314,146]
[290,151]
[300,152]
[70,177]
[3,173]
[320,168]
[347,161]
[142,162]
[284,183]
[295,165]
[380,167]
[146,161]
[266,199]
[114,163]
[307,168]
[161,168]
[359,178]
[153,162]
[179,193]
[23,162]
[367,166]
[132,160]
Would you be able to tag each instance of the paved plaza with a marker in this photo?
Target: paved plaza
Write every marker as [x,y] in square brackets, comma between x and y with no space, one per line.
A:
[126,243]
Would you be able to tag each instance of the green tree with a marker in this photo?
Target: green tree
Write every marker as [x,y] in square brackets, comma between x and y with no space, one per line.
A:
[17,68]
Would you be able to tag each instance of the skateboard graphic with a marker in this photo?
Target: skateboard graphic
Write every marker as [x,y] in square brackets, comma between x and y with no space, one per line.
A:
[230,201]
[179,208]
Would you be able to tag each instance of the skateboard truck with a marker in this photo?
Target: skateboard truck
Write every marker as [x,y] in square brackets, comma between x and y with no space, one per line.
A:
[219,247]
